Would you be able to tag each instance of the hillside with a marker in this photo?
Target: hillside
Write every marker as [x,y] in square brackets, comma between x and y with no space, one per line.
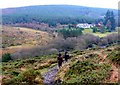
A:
[91,66]
[56,13]
[57,10]
[23,38]
[87,66]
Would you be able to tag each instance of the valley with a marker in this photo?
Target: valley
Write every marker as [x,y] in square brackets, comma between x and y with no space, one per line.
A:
[37,40]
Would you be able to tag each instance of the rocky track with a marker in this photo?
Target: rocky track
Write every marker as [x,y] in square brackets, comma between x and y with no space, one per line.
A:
[50,75]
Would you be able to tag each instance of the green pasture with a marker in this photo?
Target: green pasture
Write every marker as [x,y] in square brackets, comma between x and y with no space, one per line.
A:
[97,33]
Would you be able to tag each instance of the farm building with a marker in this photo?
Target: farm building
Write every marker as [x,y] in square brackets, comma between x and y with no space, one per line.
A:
[85,25]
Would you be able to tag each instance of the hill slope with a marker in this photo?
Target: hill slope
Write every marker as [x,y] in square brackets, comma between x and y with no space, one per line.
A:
[91,66]
[87,66]
[18,37]
[44,13]
[57,10]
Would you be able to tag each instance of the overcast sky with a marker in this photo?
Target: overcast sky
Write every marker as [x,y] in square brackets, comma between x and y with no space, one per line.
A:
[90,3]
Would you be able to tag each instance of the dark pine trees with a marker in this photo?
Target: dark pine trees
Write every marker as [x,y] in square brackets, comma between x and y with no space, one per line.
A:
[109,21]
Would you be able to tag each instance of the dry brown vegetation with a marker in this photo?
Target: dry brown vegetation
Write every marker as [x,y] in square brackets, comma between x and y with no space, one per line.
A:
[25,42]
[14,36]
[18,38]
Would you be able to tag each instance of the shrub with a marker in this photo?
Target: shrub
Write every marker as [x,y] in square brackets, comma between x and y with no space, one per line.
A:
[28,77]
[6,57]
[95,29]
[34,52]
[114,56]
[112,38]
[78,52]
[91,56]
[86,72]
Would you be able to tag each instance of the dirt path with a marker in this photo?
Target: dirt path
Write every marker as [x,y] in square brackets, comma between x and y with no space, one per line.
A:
[50,75]
[114,75]
[114,71]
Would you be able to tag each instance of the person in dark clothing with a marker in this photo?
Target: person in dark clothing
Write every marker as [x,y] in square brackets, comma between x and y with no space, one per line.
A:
[60,60]
[66,56]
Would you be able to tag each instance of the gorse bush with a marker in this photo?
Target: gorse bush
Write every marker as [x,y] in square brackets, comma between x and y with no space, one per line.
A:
[115,56]
[6,57]
[28,77]
[86,72]
[27,71]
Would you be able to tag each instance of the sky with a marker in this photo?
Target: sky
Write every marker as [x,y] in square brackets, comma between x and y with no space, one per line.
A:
[90,3]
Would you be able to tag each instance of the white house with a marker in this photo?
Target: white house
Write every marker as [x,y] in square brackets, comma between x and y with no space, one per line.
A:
[85,25]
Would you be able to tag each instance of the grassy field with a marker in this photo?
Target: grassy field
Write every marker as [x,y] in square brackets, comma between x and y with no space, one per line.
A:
[103,34]
[87,30]
[97,33]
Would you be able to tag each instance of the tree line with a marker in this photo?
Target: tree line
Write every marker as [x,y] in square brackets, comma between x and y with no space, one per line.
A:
[108,23]
[51,21]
